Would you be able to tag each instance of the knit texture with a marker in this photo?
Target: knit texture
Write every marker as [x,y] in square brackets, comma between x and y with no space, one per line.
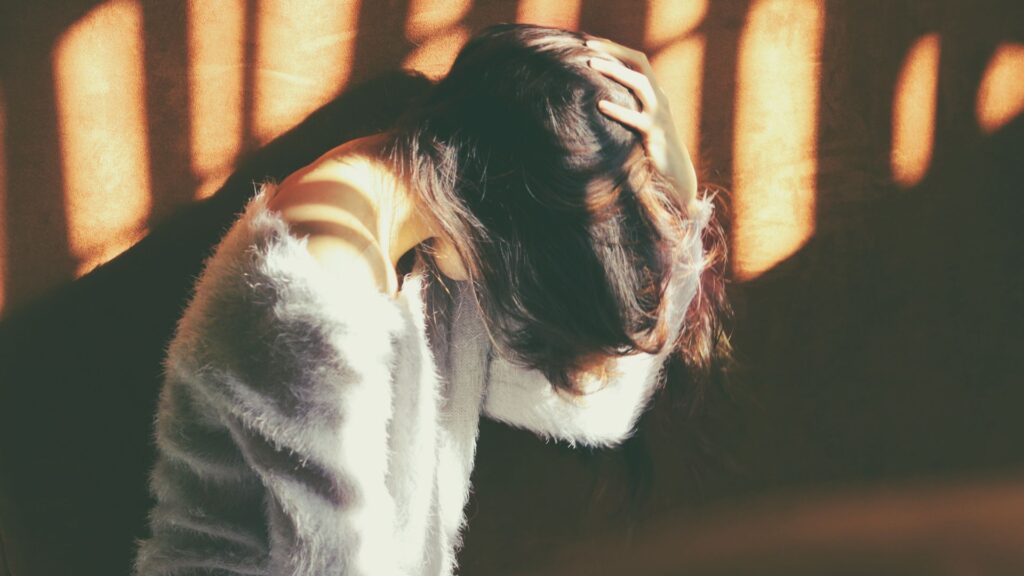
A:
[311,426]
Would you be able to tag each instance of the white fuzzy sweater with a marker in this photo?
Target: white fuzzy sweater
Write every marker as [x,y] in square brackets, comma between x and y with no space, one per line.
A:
[306,427]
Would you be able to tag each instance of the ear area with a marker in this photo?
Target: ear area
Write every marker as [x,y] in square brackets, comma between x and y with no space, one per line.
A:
[448,259]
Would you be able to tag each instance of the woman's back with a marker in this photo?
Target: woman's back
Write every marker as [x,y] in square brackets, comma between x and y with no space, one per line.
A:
[303,425]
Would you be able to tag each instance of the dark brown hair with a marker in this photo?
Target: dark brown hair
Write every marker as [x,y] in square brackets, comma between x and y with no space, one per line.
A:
[567,231]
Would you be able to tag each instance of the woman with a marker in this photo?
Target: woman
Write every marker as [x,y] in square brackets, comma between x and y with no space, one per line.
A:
[510,248]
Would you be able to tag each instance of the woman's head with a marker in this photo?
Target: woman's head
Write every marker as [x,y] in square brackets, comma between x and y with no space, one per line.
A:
[567,233]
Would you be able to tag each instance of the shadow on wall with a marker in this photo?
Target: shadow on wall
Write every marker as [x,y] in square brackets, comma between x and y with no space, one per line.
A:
[81,370]
[124,110]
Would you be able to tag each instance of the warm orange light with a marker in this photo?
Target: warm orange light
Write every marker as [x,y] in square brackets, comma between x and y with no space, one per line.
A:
[564,14]
[913,114]
[101,113]
[427,18]
[435,27]
[669,21]
[1001,94]
[216,63]
[304,58]
[776,133]
[910,525]
[3,197]
[678,63]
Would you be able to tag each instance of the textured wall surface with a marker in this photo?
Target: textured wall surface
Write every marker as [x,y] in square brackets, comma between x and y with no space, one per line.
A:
[872,150]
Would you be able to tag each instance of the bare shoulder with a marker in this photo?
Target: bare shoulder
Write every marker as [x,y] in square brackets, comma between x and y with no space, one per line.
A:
[334,205]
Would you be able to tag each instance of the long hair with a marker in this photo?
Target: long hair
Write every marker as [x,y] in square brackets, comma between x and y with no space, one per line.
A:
[568,233]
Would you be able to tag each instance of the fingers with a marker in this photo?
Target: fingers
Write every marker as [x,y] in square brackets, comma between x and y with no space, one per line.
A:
[627,116]
[637,81]
[631,57]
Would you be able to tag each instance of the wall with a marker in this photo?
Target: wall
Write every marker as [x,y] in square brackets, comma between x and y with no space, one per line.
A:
[871,149]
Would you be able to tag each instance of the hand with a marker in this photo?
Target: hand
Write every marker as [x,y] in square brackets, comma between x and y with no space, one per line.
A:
[654,121]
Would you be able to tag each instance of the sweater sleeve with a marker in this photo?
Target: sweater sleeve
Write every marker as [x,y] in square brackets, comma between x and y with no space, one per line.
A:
[524,397]
[272,425]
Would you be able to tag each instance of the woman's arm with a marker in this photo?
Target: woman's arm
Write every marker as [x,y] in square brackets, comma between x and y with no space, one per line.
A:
[272,428]
[525,398]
